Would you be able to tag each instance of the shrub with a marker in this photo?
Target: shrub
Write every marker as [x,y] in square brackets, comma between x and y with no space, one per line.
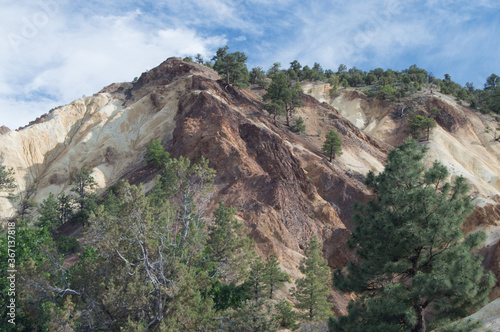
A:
[298,126]
[67,244]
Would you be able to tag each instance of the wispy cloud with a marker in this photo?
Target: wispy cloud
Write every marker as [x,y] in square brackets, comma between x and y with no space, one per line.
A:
[56,50]
[71,55]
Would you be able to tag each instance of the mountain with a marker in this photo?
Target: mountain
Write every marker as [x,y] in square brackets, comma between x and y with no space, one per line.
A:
[282,185]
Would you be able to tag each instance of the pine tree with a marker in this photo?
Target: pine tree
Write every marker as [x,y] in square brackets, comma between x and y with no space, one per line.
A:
[312,291]
[6,179]
[49,216]
[64,209]
[412,257]
[283,96]
[419,124]
[273,276]
[285,316]
[227,250]
[156,154]
[232,66]
[83,184]
[332,145]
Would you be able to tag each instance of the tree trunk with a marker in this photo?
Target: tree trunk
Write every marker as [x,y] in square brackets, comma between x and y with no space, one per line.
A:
[227,74]
[421,324]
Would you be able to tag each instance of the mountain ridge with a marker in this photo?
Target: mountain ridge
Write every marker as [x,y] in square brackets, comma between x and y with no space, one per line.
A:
[285,190]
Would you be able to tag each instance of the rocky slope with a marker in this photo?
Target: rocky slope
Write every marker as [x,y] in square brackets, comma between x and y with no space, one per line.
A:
[285,190]
[462,141]
[283,187]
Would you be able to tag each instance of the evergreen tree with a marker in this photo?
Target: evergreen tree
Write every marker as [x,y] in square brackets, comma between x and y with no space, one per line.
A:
[155,154]
[283,96]
[64,209]
[228,250]
[231,66]
[258,76]
[252,316]
[298,126]
[332,145]
[49,216]
[419,124]
[255,281]
[199,58]
[412,257]
[6,179]
[285,316]
[26,203]
[83,184]
[312,291]
[273,276]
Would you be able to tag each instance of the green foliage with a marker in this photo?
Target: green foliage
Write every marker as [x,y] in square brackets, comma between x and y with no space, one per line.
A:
[31,248]
[434,112]
[332,145]
[199,59]
[285,315]
[228,296]
[26,203]
[7,183]
[64,208]
[227,251]
[412,256]
[275,68]
[67,244]
[252,316]
[298,126]
[258,76]
[156,154]
[49,216]
[232,67]
[273,277]
[386,92]
[312,291]
[83,184]
[153,263]
[283,96]
[419,124]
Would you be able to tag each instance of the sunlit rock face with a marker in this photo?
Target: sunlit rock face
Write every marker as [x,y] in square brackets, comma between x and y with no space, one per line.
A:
[283,187]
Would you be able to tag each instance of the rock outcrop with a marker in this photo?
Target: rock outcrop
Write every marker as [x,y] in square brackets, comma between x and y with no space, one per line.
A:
[462,141]
[282,185]
[284,188]
[4,130]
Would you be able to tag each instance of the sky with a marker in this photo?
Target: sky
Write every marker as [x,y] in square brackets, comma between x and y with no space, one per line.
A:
[56,51]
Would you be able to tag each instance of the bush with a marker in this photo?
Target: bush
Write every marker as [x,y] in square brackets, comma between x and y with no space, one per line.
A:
[385,92]
[285,315]
[67,244]
[298,126]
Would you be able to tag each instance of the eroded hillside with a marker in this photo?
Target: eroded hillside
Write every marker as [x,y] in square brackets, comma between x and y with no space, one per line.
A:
[282,185]
[284,188]
[462,140]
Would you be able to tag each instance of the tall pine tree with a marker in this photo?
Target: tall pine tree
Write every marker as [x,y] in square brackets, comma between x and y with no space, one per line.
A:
[412,256]
[283,96]
[332,145]
[273,276]
[311,291]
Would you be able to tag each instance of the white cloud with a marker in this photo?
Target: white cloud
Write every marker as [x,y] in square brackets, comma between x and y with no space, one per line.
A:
[71,55]
[82,47]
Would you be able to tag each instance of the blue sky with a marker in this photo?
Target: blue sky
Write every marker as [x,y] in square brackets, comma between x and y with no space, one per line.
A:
[55,51]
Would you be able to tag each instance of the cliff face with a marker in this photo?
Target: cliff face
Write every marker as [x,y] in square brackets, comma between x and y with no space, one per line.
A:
[285,190]
[462,141]
[283,187]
